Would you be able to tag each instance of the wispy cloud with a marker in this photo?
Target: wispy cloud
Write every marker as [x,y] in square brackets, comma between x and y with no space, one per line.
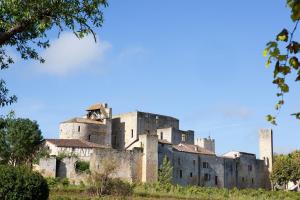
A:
[236,112]
[68,54]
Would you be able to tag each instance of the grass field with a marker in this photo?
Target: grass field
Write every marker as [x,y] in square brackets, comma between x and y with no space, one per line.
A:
[154,191]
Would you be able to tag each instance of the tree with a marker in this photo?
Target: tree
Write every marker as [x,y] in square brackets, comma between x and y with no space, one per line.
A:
[295,157]
[286,168]
[165,172]
[282,170]
[20,141]
[283,53]
[24,26]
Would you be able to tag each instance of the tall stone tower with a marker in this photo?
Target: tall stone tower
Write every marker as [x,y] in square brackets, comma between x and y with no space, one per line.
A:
[266,147]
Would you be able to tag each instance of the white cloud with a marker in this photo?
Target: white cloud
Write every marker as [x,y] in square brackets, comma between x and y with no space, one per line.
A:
[68,54]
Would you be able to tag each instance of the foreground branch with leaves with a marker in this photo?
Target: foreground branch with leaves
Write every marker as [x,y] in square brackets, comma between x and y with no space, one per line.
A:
[24,26]
[283,54]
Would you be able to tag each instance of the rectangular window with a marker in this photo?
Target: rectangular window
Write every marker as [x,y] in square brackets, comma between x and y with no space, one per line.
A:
[206,177]
[179,161]
[183,137]
[78,128]
[216,180]
[249,168]
[180,173]
[191,174]
[205,164]
[252,180]
[161,135]
[194,162]
[131,133]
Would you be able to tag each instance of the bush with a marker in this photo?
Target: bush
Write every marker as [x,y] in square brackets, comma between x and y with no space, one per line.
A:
[82,166]
[19,183]
[115,187]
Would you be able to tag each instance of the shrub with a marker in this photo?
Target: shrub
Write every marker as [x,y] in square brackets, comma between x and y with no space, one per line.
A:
[82,166]
[19,183]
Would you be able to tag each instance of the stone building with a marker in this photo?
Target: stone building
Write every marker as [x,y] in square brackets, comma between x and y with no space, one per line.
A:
[139,141]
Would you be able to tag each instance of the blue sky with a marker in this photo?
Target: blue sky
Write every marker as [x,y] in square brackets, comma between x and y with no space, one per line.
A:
[199,61]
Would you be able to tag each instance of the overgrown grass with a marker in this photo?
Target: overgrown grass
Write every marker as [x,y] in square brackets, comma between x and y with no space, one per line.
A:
[170,192]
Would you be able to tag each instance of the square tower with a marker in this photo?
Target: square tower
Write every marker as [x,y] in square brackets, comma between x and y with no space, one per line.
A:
[266,147]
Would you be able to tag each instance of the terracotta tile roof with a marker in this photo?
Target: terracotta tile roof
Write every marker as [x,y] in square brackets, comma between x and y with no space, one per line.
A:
[74,143]
[190,148]
[83,120]
[164,142]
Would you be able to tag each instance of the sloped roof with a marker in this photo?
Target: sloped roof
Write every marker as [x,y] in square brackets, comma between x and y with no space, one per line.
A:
[164,142]
[191,148]
[83,120]
[74,143]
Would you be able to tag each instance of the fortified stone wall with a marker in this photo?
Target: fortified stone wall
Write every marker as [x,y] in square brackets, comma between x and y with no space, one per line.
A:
[129,163]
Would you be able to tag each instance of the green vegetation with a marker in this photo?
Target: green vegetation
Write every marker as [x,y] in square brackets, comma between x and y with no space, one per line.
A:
[20,141]
[283,52]
[82,166]
[165,172]
[286,168]
[26,31]
[20,183]
[159,191]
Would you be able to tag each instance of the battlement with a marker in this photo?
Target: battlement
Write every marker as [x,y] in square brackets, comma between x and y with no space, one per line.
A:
[206,143]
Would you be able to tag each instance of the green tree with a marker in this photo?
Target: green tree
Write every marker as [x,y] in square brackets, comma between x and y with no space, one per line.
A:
[24,26]
[295,159]
[165,172]
[286,168]
[283,54]
[282,170]
[20,141]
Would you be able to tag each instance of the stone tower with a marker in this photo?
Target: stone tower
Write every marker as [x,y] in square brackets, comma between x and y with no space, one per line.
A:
[266,147]
[150,157]
[206,143]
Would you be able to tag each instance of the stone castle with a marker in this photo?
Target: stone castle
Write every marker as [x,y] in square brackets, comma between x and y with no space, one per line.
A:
[139,142]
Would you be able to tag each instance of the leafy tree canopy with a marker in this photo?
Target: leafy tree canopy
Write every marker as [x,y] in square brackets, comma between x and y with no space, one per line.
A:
[286,168]
[282,54]
[24,26]
[20,141]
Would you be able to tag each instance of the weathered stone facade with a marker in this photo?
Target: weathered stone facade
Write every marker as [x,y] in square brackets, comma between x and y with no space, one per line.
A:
[139,141]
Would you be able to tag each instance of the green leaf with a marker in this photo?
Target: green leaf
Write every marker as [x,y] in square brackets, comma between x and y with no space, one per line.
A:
[294,62]
[297,115]
[282,57]
[284,88]
[283,36]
